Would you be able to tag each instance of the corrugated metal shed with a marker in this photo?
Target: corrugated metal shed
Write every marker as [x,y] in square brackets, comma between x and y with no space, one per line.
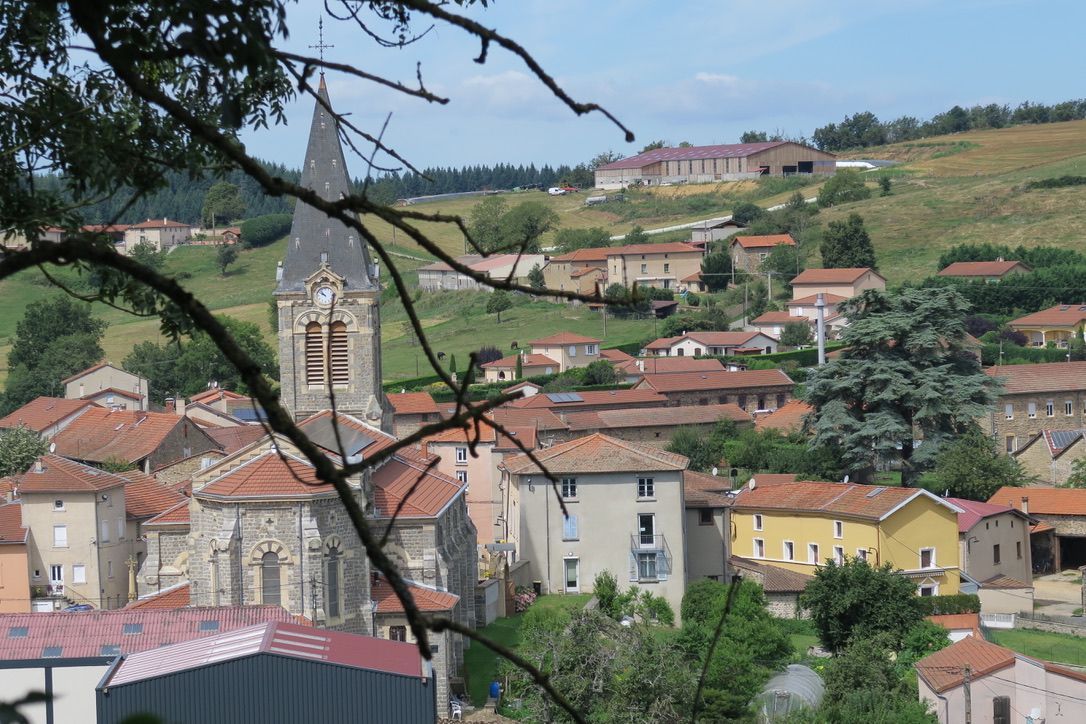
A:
[272,673]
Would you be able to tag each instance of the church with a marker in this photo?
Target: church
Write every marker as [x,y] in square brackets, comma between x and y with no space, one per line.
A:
[260,527]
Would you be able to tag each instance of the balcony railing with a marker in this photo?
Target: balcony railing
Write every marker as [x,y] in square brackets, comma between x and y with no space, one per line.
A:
[55,589]
[650,557]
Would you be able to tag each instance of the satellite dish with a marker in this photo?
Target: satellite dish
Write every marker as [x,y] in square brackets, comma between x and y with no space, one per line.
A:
[715,471]
[751,484]
[52,447]
[846,478]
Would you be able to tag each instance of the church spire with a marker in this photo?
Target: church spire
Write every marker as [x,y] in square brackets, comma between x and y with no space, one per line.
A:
[316,239]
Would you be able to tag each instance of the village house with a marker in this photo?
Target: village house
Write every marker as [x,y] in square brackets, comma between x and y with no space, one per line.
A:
[751,390]
[987,271]
[1036,397]
[46,415]
[786,419]
[411,411]
[146,440]
[748,252]
[998,685]
[707,499]
[846,283]
[161,234]
[1055,325]
[716,344]
[14,560]
[439,276]
[569,350]
[588,401]
[625,515]
[634,368]
[798,526]
[995,553]
[782,587]
[663,266]
[706,232]
[1064,509]
[109,386]
[705,164]
[772,323]
[581,270]
[1050,456]
[65,655]
[654,426]
[531,365]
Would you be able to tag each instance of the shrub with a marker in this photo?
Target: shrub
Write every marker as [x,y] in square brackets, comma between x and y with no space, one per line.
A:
[940,605]
[523,598]
[263,230]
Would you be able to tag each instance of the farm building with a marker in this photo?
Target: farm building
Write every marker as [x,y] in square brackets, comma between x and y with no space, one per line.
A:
[705,164]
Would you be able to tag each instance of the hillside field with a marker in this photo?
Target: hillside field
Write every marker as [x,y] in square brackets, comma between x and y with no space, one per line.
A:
[965,188]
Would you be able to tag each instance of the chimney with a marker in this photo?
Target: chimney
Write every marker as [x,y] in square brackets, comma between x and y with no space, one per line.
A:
[169,404]
[179,405]
[1025,504]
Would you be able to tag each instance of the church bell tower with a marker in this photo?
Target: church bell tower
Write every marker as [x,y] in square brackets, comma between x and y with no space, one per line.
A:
[328,296]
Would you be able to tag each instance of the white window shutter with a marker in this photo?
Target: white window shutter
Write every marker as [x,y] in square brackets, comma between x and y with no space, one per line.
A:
[662,570]
[633,566]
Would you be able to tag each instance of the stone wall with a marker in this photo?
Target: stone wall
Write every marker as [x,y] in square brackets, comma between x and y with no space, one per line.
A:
[747,398]
[185,440]
[786,605]
[167,561]
[1024,428]
[178,472]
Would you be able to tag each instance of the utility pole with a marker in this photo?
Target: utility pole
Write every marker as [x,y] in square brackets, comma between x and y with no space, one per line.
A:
[968,696]
[769,285]
[820,323]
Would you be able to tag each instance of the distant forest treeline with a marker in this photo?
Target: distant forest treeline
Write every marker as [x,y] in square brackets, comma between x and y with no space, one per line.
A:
[183,198]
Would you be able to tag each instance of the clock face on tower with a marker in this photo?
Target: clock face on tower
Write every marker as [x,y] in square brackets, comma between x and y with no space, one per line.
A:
[324,296]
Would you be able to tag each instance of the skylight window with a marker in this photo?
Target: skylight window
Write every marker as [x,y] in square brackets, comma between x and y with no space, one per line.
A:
[52,652]
[110,650]
[208,626]
[132,629]
[18,632]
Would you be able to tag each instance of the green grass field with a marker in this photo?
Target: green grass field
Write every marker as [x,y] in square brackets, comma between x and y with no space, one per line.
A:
[1055,647]
[481,664]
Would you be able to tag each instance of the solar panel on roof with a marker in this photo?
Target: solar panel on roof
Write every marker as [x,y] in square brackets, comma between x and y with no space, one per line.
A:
[322,432]
[564,397]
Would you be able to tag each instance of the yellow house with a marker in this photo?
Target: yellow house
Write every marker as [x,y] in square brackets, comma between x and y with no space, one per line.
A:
[1057,325]
[799,526]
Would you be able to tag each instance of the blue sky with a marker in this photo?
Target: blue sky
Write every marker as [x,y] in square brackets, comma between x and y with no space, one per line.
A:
[687,70]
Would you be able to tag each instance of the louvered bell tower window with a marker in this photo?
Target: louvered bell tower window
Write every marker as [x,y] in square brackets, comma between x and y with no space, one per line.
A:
[339,357]
[314,354]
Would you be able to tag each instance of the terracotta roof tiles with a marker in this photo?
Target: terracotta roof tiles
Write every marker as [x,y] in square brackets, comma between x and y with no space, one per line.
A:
[1049,501]
[981,268]
[145,496]
[429,600]
[640,417]
[589,398]
[763,242]
[1043,377]
[178,514]
[412,403]
[868,502]
[100,434]
[777,318]
[671,247]
[774,578]
[176,596]
[788,418]
[232,439]
[958,622]
[598,453]
[596,253]
[159,224]
[268,475]
[1003,582]
[408,484]
[42,412]
[662,365]
[1061,315]
[11,524]
[716,381]
[539,418]
[833,276]
[944,669]
[811,299]
[976,511]
[54,474]
[701,490]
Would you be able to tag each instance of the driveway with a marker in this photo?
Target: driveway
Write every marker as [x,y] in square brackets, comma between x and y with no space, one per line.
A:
[1057,594]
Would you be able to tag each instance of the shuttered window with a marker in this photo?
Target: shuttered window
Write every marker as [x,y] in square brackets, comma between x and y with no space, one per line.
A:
[1001,710]
[339,357]
[314,354]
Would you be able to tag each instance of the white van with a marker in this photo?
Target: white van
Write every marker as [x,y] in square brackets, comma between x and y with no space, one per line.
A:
[555,191]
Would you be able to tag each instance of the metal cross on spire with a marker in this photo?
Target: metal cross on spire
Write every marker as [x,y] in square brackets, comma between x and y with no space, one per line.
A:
[321,46]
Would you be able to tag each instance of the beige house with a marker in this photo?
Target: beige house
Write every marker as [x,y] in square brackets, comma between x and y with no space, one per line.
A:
[567,349]
[581,270]
[748,252]
[80,543]
[109,386]
[439,276]
[663,266]
[625,515]
[531,365]
[47,415]
[1055,325]
[1037,397]
[1049,457]
[716,344]
[845,283]
[1002,686]
[995,552]
[162,234]
[988,271]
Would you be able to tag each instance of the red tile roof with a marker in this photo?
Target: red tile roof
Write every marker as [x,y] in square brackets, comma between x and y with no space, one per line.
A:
[412,403]
[60,475]
[598,453]
[945,669]
[596,253]
[709,339]
[1048,501]
[958,622]
[429,600]
[777,318]
[40,413]
[811,299]
[159,224]
[614,355]
[1061,315]
[1041,528]
[232,439]
[762,242]
[111,391]
[788,418]
[729,150]
[100,434]
[176,596]
[11,524]
[774,478]
[590,398]
[976,511]
[177,514]
[671,247]
[1043,377]
[867,502]
[715,381]
[1003,582]
[833,276]
[407,478]
[774,578]
[563,338]
[85,634]
[539,418]
[662,365]
[702,490]
[981,268]
[641,417]
[145,496]
[215,394]
[278,638]
[527,360]
[268,475]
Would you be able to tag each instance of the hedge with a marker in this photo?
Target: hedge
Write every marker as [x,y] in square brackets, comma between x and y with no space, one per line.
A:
[263,230]
[943,605]
[1011,354]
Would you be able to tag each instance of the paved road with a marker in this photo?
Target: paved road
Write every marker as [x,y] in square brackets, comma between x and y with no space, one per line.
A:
[705,222]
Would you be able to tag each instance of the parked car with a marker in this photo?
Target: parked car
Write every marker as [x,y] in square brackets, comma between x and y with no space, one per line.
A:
[571,189]
[556,191]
